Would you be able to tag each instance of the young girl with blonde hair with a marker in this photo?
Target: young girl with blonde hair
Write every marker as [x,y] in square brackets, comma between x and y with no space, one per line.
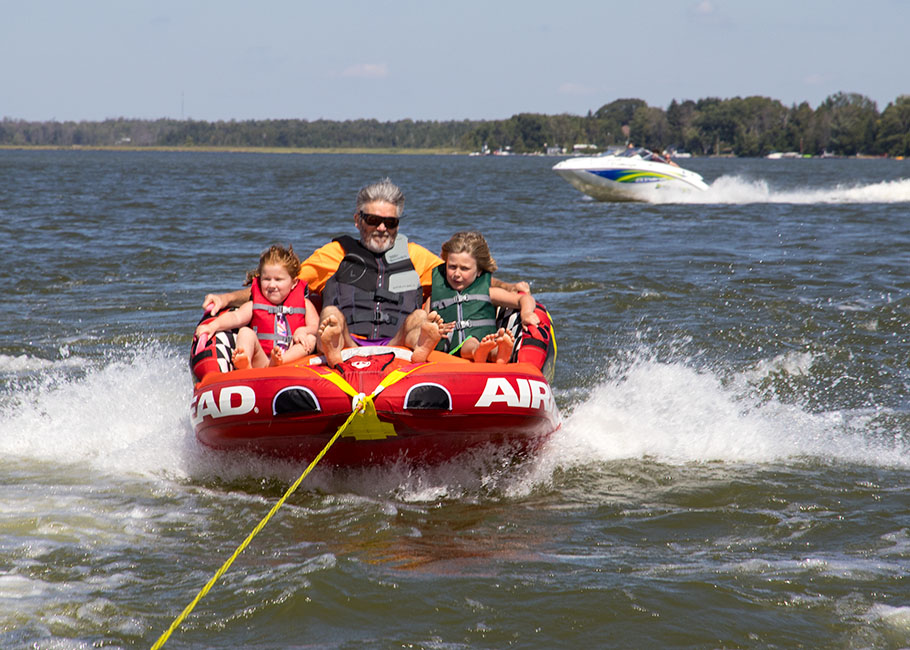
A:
[463,296]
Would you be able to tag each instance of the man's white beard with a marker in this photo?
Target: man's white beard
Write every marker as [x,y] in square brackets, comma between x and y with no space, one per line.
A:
[379,247]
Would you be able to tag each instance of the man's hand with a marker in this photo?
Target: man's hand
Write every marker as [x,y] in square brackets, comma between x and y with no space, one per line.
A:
[213,303]
[306,339]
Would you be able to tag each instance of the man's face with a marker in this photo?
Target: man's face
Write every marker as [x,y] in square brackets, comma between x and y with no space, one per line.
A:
[377,236]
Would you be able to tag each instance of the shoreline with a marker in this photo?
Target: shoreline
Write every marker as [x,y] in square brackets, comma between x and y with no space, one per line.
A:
[213,149]
[395,151]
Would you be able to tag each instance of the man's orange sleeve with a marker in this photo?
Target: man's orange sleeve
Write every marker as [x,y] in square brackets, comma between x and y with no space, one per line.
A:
[319,267]
[424,263]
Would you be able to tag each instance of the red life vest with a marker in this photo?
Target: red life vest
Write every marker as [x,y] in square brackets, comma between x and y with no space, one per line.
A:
[266,315]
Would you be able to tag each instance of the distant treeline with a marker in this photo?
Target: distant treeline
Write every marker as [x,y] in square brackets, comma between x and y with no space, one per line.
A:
[844,124]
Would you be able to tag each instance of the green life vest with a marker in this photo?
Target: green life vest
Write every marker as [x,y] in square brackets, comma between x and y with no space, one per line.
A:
[471,310]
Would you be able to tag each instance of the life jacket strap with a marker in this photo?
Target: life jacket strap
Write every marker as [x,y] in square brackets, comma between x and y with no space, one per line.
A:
[482,322]
[458,299]
[278,309]
[385,295]
[272,337]
[370,316]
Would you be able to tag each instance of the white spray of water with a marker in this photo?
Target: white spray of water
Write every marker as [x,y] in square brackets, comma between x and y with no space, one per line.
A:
[131,417]
[678,414]
[739,190]
[127,416]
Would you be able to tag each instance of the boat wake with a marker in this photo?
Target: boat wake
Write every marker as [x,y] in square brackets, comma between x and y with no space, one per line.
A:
[129,417]
[739,190]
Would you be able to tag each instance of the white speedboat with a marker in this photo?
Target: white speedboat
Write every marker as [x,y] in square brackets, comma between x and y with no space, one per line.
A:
[634,174]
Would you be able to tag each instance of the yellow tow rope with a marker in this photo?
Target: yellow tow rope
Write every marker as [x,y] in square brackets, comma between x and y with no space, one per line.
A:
[361,405]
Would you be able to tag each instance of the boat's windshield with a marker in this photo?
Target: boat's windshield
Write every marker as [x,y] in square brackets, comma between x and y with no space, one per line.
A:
[635,152]
[644,154]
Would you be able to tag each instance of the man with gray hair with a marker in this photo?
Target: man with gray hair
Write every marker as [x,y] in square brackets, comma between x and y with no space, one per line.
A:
[372,288]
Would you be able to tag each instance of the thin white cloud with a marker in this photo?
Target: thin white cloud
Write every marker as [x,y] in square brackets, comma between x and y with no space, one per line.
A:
[704,7]
[367,71]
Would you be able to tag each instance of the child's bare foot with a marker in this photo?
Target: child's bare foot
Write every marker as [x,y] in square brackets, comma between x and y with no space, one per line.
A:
[427,339]
[276,358]
[482,353]
[240,360]
[331,337]
[504,344]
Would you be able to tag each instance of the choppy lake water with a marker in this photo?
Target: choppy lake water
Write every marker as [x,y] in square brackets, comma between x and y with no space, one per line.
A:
[734,370]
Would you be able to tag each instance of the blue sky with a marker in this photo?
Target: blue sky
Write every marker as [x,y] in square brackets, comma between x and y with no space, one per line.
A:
[226,59]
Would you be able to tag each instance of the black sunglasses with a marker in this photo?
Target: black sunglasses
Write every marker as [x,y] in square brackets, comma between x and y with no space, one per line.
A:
[374,220]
